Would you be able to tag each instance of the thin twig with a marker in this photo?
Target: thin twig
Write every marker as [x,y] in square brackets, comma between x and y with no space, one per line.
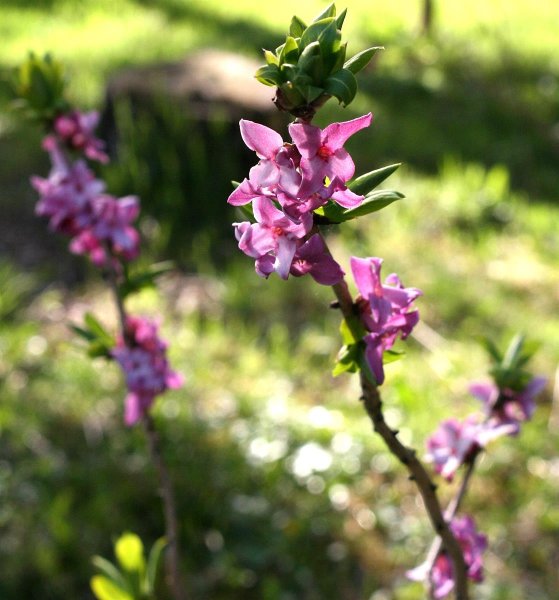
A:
[166,492]
[407,456]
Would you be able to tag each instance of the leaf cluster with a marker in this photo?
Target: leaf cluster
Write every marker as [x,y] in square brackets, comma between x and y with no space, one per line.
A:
[509,367]
[38,87]
[311,66]
[134,578]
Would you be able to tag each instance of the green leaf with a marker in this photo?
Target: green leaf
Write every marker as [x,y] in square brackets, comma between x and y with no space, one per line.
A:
[390,356]
[341,18]
[146,278]
[153,563]
[269,75]
[129,552]
[313,31]
[309,59]
[109,570]
[105,589]
[290,51]
[360,60]
[338,58]
[342,85]
[373,202]
[347,360]
[364,184]
[329,40]
[346,332]
[329,11]
[297,27]
[246,211]
[492,349]
[271,58]
[102,335]
[83,333]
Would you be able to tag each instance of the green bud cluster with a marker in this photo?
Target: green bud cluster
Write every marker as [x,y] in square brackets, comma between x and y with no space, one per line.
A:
[38,84]
[311,66]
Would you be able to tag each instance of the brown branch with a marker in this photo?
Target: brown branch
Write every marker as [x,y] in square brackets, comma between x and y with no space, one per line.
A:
[373,406]
[166,492]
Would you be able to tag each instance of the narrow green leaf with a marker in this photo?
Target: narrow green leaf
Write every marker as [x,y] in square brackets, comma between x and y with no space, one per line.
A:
[492,349]
[372,203]
[105,589]
[341,18]
[109,570]
[342,85]
[348,338]
[309,58]
[297,27]
[513,351]
[329,11]
[360,60]
[364,184]
[83,333]
[347,361]
[98,330]
[390,356]
[153,563]
[338,58]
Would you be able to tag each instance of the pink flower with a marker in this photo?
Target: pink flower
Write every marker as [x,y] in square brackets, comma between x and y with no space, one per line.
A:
[506,406]
[385,310]
[441,575]
[143,359]
[273,239]
[76,130]
[313,258]
[65,196]
[109,229]
[322,151]
[452,443]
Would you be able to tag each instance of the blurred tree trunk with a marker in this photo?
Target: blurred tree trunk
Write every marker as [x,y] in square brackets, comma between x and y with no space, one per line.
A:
[427,17]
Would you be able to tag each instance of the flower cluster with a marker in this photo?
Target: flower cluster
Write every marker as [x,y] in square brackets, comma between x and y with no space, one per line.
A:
[100,226]
[386,310]
[143,358]
[456,442]
[440,574]
[75,201]
[76,131]
[290,181]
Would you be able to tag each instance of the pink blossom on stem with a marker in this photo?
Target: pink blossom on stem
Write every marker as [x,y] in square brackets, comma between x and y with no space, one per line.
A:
[506,406]
[322,151]
[386,310]
[273,239]
[76,130]
[440,575]
[143,358]
[313,258]
[109,229]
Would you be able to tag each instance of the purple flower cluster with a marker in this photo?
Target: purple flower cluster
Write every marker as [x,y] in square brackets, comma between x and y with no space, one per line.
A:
[441,573]
[386,310]
[143,358]
[76,131]
[76,205]
[290,181]
[455,442]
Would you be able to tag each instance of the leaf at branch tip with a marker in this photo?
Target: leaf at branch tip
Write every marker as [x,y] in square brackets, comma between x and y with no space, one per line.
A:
[365,184]
[271,58]
[342,85]
[269,75]
[313,31]
[109,570]
[341,18]
[129,551]
[297,27]
[329,11]
[289,52]
[361,60]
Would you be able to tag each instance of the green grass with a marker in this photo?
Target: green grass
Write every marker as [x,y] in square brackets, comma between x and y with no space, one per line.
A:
[471,112]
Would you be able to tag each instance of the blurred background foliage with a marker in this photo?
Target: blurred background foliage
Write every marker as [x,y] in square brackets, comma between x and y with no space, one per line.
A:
[284,492]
